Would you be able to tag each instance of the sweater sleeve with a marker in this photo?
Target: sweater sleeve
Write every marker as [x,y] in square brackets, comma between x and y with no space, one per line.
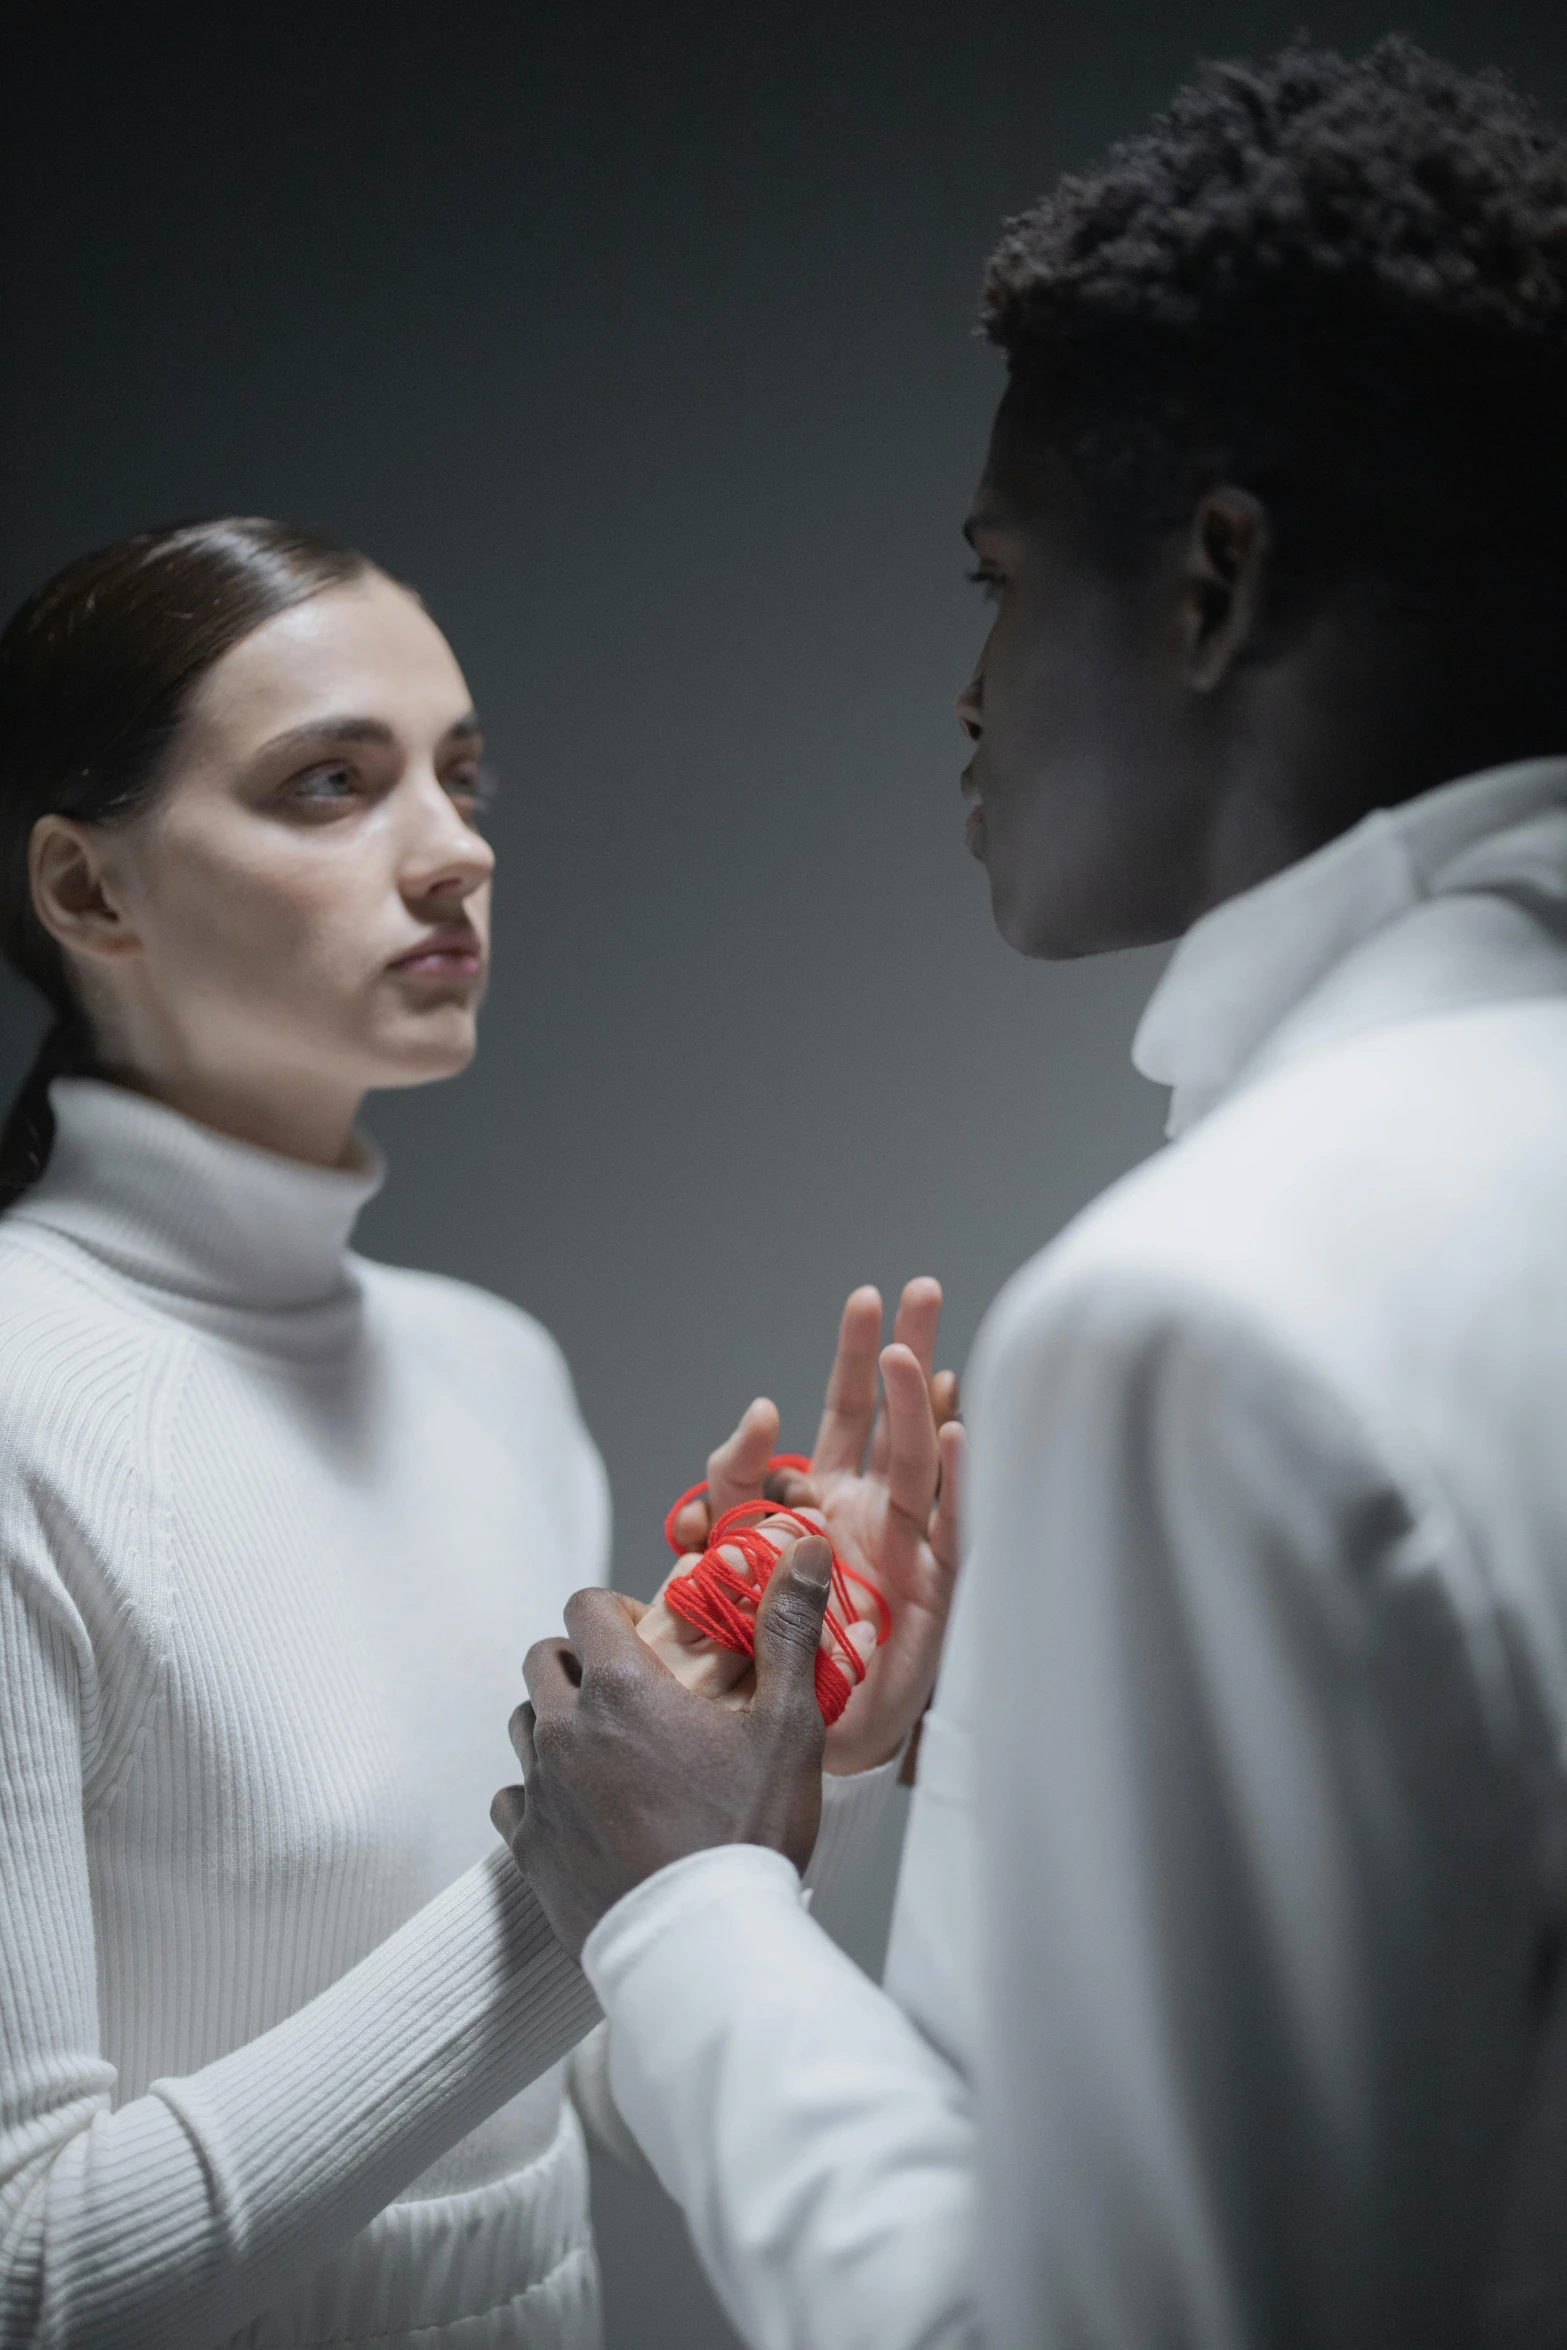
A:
[178,2218]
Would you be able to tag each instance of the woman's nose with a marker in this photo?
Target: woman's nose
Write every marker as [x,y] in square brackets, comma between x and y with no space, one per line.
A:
[970,706]
[443,854]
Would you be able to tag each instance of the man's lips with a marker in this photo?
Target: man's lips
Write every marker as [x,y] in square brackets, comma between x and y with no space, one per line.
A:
[445,954]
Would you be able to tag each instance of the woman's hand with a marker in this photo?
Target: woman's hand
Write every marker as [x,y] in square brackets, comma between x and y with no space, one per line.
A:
[698,1662]
[887,1485]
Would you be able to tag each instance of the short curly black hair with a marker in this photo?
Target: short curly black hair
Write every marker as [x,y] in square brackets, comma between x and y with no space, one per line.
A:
[1339,283]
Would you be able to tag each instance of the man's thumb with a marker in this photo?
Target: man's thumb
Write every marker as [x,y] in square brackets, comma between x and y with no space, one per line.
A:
[789,1619]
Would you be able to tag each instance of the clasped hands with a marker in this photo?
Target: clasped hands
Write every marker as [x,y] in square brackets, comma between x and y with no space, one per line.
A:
[641,1742]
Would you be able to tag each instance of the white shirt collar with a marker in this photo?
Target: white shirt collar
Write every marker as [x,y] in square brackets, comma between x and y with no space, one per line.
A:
[191,1213]
[1243,968]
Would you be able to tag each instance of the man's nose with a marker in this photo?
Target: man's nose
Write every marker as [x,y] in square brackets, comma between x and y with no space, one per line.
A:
[970,706]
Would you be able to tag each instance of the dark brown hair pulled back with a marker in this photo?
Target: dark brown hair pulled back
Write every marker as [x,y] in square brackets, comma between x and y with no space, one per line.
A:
[96,671]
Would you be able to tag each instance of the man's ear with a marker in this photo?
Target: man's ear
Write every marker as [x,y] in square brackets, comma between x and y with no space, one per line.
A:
[73,892]
[1224,582]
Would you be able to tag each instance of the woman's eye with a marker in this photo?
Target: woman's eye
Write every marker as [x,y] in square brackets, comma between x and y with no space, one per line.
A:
[472,788]
[986,576]
[322,787]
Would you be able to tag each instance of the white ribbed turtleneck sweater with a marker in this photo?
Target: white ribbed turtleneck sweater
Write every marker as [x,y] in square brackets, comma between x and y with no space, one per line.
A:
[276,1528]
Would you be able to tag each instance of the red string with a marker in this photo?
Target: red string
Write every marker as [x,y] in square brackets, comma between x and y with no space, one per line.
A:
[720,1601]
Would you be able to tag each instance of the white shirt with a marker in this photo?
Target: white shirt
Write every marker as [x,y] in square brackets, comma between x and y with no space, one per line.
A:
[1222,2007]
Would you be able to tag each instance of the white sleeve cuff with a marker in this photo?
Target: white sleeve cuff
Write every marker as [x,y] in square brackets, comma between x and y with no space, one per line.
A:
[625,1933]
[853,1810]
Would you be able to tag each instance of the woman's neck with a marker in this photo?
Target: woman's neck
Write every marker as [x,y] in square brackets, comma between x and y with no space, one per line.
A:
[313,1125]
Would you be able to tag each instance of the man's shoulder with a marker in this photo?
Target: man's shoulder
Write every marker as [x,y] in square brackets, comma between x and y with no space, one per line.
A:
[1412,1174]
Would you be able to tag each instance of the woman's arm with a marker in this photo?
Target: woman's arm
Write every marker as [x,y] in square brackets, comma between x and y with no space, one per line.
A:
[181,2216]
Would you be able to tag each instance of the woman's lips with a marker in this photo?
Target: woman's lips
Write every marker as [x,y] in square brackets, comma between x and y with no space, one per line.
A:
[455,956]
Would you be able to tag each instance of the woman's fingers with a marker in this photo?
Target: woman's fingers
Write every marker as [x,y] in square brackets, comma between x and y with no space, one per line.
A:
[913,1455]
[734,1473]
[780,1535]
[793,1488]
[691,1526]
[944,1401]
[914,1326]
[850,1404]
[919,1312]
[697,1662]
[945,1520]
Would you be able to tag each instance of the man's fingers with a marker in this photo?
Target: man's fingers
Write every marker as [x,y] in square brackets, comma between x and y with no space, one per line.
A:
[520,1731]
[789,1624]
[553,1676]
[507,1810]
[601,1632]
[913,1458]
[735,1471]
[850,1404]
[945,1522]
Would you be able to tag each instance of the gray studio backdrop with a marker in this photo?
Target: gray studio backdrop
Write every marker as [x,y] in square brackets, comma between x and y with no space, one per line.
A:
[639,342]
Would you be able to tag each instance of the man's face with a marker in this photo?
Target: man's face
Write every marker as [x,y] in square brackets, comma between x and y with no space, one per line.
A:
[1086,783]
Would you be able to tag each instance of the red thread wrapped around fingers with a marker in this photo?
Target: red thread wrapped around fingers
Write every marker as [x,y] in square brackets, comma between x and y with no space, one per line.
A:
[719,1601]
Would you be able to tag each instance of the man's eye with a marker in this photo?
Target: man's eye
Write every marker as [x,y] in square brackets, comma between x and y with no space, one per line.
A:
[986,576]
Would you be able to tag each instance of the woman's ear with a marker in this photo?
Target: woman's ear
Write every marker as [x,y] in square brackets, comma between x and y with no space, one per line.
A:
[1223,583]
[73,893]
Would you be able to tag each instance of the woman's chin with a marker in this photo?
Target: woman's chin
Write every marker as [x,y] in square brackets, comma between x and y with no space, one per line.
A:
[444,1047]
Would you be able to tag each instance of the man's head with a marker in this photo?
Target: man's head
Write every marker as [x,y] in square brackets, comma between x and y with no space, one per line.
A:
[1276,500]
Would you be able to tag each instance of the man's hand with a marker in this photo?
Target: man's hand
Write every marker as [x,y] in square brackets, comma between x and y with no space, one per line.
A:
[625,1770]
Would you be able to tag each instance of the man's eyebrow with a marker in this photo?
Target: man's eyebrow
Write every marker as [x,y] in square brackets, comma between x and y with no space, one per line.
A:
[362,730]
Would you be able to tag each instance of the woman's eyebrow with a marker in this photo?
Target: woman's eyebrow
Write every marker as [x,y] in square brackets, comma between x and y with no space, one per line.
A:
[360,730]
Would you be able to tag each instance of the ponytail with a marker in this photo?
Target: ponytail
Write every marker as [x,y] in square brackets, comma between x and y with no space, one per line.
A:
[27,1137]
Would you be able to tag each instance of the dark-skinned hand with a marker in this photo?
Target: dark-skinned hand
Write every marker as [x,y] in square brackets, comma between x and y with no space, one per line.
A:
[625,1770]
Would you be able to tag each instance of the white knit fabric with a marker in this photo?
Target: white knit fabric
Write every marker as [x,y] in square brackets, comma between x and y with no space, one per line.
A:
[276,1528]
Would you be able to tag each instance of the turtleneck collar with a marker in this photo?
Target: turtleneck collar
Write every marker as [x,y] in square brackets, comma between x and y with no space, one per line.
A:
[194,1214]
[1242,970]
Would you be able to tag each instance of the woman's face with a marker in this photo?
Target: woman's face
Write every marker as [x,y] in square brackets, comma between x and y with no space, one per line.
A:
[304,909]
